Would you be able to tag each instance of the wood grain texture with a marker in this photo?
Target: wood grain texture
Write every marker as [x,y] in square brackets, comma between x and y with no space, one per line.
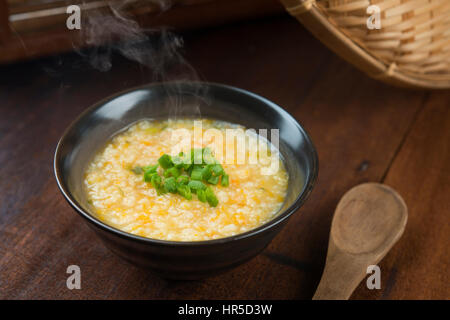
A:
[4,28]
[421,173]
[361,128]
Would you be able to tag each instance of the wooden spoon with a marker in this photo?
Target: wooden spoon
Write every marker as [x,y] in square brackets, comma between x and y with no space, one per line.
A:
[367,222]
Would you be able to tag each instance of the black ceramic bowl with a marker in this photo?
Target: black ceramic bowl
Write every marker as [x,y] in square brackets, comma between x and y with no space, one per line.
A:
[172,259]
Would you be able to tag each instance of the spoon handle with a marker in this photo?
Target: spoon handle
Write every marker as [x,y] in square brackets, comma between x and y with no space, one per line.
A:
[342,274]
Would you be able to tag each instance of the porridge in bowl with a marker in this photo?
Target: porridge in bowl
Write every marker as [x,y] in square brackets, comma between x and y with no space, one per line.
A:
[175,180]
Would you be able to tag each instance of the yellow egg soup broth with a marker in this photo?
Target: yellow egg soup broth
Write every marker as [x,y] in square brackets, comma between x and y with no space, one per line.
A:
[123,200]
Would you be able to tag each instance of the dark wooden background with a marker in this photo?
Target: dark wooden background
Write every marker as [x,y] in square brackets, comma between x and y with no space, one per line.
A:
[363,130]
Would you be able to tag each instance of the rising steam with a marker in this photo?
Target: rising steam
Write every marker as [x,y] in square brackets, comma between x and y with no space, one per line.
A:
[159,50]
[117,32]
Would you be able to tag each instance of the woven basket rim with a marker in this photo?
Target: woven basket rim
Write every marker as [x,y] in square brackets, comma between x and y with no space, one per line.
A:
[315,19]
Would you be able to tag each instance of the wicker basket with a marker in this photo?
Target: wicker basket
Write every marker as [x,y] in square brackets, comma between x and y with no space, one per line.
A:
[412,48]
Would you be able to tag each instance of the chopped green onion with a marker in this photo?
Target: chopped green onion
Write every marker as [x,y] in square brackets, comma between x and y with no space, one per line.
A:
[183,180]
[155,180]
[187,173]
[211,197]
[172,172]
[196,185]
[149,171]
[178,162]
[225,180]
[214,180]
[165,161]
[201,195]
[196,174]
[170,185]
[148,175]
[150,168]
[217,169]
[184,191]
[206,172]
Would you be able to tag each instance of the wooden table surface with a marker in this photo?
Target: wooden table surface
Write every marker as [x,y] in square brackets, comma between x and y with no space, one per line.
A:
[363,130]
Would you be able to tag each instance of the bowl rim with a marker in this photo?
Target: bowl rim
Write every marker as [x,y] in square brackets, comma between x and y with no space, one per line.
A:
[298,202]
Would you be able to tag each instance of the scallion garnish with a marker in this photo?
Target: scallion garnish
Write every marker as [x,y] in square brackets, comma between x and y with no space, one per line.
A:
[196,185]
[211,197]
[186,174]
[206,172]
[214,180]
[170,185]
[150,168]
[184,191]
[155,180]
[225,180]
[196,174]
[165,161]
[201,195]
[183,180]
[217,169]
[177,162]
[149,171]
[172,172]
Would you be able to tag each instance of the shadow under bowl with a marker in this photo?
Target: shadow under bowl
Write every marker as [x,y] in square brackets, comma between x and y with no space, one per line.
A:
[174,259]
